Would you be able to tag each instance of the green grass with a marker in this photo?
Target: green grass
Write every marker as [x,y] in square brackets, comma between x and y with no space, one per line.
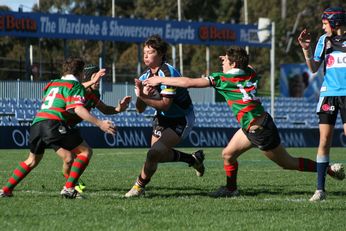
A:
[271,198]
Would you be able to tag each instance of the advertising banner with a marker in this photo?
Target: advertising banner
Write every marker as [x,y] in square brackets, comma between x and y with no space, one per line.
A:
[62,26]
[13,137]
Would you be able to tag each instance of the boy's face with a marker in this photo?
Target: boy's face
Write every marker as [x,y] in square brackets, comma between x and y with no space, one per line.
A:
[151,57]
[226,66]
[326,27]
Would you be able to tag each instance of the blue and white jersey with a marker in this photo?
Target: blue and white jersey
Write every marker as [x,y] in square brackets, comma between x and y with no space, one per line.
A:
[182,104]
[332,50]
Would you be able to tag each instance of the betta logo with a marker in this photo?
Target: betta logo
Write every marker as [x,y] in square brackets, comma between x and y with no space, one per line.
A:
[11,23]
[330,60]
[214,33]
[326,107]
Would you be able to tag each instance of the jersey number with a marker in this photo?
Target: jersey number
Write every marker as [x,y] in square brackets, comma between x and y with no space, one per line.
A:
[50,98]
[246,96]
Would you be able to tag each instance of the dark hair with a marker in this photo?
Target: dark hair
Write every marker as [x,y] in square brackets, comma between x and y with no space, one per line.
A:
[336,16]
[239,56]
[89,70]
[73,66]
[156,42]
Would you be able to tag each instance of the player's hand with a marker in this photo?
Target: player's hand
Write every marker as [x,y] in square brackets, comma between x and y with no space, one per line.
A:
[304,39]
[152,81]
[138,88]
[99,75]
[123,104]
[108,127]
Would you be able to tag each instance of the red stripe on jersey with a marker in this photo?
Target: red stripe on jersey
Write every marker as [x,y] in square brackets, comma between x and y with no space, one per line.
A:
[245,110]
[57,109]
[74,105]
[61,84]
[237,79]
[47,116]
[248,89]
[59,96]
[75,98]
[242,102]
[230,103]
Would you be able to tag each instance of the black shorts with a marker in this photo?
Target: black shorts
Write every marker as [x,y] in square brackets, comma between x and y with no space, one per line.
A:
[328,108]
[54,134]
[160,123]
[266,137]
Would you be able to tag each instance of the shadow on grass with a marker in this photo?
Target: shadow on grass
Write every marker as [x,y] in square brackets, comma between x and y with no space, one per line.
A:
[283,191]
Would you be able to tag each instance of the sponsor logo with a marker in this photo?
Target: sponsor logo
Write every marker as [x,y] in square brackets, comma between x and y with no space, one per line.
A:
[330,60]
[214,33]
[11,23]
[336,60]
[326,107]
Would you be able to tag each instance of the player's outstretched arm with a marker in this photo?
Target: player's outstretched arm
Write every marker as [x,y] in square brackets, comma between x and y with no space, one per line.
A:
[105,125]
[109,110]
[97,78]
[184,82]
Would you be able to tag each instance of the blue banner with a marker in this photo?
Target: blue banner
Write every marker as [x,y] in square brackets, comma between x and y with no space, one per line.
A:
[38,25]
[135,137]
[296,80]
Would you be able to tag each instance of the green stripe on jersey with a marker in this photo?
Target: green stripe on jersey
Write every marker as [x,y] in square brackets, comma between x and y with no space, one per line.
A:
[240,92]
[57,96]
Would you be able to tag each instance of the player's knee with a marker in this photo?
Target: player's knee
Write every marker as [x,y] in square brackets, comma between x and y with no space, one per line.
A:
[227,156]
[32,162]
[68,160]
[88,152]
[153,155]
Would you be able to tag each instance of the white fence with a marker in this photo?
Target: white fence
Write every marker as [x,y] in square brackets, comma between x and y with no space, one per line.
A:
[111,93]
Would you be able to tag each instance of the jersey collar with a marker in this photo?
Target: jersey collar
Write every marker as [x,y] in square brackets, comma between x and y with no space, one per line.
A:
[69,77]
[236,71]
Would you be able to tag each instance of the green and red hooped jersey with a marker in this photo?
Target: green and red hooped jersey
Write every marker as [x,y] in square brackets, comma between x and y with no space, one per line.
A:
[58,97]
[92,98]
[240,92]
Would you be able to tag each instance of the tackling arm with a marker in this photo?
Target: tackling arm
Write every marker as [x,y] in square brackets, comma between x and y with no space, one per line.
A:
[94,80]
[109,110]
[105,125]
[184,82]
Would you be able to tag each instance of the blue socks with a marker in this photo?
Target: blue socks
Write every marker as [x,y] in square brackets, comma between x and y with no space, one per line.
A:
[322,166]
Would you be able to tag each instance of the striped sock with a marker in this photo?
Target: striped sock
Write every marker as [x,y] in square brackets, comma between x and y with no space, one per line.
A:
[79,165]
[307,165]
[231,173]
[18,174]
[142,182]
[65,175]
[322,166]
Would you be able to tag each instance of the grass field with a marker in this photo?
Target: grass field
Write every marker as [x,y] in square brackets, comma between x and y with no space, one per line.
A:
[271,198]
